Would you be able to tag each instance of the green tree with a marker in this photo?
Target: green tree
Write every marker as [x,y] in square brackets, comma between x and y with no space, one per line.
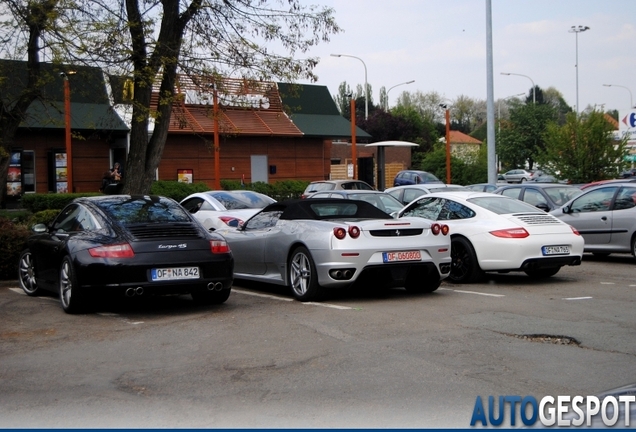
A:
[521,138]
[583,149]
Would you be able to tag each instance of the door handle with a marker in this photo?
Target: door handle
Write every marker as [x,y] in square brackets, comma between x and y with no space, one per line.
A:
[604,218]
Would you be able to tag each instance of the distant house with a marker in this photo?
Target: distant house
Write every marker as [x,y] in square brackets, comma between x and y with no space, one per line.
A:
[463,146]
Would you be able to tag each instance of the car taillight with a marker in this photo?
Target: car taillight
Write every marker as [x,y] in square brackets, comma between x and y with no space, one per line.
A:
[354,231]
[340,233]
[231,221]
[511,233]
[575,231]
[112,251]
[440,228]
[219,247]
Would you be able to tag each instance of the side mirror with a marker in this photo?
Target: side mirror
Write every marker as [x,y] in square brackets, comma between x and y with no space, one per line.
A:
[567,210]
[39,228]
[543,207]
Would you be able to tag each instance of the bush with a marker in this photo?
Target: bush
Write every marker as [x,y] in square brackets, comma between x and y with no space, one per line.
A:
[12,243]
[42,217]
[38,202]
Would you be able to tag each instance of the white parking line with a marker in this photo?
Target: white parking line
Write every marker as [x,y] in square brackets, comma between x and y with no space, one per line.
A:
[17,290]
[269,296]
[473,292]
[608,283]
[327,305]
[577,298]
[261,295]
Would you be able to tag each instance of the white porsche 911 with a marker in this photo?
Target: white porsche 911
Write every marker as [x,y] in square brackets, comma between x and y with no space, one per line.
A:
[494,233]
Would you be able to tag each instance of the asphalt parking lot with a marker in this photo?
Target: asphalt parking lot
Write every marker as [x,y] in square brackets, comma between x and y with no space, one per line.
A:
[359,359]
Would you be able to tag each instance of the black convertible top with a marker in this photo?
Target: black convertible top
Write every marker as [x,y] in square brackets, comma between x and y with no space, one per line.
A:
[326,208]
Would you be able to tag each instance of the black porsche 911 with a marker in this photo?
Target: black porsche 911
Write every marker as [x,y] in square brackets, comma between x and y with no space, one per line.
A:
[125,245]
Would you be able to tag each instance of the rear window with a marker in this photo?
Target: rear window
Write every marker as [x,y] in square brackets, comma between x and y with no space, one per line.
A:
[503,205]
[242,200]
[143,209]
[322,186]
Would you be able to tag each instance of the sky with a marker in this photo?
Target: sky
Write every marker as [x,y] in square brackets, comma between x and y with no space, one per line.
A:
[442,45]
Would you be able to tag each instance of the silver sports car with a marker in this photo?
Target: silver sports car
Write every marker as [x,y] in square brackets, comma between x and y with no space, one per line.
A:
[311,245]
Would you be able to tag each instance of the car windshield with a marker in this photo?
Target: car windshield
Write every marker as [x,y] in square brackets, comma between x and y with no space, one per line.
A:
[242,200]
[503,205]
[143,209]
[321,186]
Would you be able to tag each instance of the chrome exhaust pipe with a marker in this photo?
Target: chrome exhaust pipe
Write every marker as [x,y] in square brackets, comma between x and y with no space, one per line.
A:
[337,274]
[139,290]
[130,292]
[347,274]
[218,286]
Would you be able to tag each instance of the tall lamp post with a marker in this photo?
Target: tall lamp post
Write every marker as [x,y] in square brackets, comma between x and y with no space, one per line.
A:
[366,89]
[576,30]
[67,127]
[631,101]
[391,88]
[448,155]
[534,97]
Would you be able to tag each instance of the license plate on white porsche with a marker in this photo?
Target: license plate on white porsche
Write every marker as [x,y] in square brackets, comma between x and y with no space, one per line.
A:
[401,256]
[174,273]
[555,250]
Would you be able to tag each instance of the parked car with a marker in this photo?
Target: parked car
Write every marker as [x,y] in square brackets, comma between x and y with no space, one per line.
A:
[628,173]
[482,187]
[315,244]
[381,200]
[327,185]
[411,177]
[605,216]
[545,196]
[610,181]
[217,209]
[494,233]
[122,244]
[407,193]
[518,176]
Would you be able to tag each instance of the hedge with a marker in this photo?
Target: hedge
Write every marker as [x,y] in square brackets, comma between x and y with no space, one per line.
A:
[13,240]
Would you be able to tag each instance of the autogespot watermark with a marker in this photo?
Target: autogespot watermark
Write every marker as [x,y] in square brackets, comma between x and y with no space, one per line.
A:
[550,411]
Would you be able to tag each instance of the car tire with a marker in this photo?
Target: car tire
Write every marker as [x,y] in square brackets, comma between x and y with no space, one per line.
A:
[634,246]
[206,297]
[71,298]
[26,274]
[303,278]
[465,267]
[523,180]
[418,283]
[542,273]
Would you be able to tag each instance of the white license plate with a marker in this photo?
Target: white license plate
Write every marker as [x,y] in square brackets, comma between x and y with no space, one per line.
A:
[401,256]
[555,250]
[174,273]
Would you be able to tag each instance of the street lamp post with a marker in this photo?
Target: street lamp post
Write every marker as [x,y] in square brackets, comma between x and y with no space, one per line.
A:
[631,101]
[366,89]
[534,97]
[354,152]
[67,127]
[576,30]
[391,88]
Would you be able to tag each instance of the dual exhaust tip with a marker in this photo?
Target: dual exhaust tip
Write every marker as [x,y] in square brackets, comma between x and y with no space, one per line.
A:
[131,292]
[212,286]
[344,274]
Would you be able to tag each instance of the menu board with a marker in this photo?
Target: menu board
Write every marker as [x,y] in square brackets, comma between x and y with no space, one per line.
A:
[60,173]
[14,176]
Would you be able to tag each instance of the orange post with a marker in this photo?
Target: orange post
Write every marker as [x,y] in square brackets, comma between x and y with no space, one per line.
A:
[67,124]
[217,150]
[448,152]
